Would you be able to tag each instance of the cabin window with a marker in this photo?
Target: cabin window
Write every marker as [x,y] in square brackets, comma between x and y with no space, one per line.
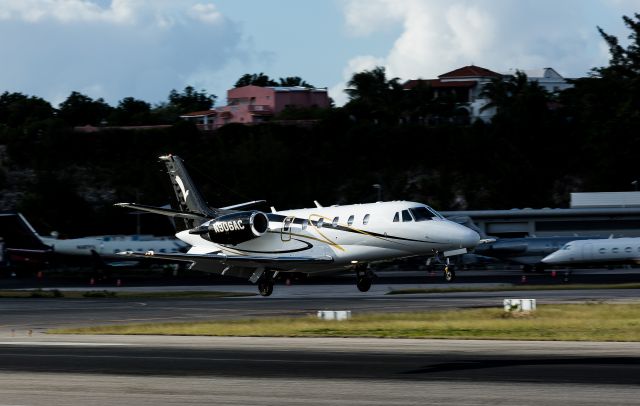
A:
[320,223]
[305,223]
[628,250]
[435,213]
[614,250]
[406,216]
[396,218]
[334,223]
[424,213]
[365,220]
[602,250]
[350,221]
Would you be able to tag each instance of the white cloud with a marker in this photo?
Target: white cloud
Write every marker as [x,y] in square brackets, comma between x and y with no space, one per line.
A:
[164,13]
[206,13]
[114,48]
[357,64]
[439,36]
[364,17]
[33,11]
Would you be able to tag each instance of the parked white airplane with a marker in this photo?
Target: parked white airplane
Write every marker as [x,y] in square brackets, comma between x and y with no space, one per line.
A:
[584,252]
[24,240]
[256,245]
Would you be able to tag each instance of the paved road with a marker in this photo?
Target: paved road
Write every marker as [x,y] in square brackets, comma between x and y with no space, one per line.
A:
[182,370]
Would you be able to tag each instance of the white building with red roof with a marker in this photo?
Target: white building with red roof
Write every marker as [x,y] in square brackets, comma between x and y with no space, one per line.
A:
[466,85]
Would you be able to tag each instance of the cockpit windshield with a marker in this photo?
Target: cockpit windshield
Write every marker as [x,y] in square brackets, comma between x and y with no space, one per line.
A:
[424,213]
[566,247]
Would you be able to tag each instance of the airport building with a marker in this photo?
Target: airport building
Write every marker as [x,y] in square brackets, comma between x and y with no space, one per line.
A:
[591,214]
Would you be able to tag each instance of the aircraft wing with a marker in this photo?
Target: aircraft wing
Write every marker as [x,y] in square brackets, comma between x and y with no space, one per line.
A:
[216,262]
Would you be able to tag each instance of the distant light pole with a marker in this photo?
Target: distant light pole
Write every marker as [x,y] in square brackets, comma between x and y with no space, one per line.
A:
[378,187]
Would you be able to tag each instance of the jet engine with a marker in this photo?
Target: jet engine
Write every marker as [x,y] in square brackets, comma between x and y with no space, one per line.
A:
[234,228]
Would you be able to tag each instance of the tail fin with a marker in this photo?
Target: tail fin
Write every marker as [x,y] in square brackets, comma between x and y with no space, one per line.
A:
[188,197]
[18,233]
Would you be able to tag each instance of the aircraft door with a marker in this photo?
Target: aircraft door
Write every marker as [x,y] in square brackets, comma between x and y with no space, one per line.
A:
[285,234]
[587,252]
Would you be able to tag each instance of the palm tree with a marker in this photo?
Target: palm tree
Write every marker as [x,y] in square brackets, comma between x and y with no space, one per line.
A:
[371,94]
[291,81]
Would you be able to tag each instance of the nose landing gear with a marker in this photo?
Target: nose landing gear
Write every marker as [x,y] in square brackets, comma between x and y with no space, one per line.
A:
[449,270]
[449,273]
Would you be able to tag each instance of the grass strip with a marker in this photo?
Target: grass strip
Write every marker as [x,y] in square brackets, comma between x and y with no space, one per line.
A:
[588,322]
[511,288]
[93,294]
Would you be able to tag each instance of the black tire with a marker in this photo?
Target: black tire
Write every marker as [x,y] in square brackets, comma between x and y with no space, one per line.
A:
[449,274]
[265,288]
[364,284]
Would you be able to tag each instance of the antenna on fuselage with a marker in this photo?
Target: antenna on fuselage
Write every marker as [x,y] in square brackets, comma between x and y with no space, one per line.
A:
[318,205]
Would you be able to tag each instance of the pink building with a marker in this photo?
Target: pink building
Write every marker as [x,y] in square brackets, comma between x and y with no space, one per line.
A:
[256,104]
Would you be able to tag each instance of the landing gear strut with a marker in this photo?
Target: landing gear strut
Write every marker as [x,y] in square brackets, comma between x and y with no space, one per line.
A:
[364,277]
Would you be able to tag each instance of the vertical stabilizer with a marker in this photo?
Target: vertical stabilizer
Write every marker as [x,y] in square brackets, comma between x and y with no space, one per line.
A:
[18,233]
[188,197]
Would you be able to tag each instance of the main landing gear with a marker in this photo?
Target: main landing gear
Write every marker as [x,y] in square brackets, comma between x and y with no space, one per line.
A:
[266,282]
[364,277]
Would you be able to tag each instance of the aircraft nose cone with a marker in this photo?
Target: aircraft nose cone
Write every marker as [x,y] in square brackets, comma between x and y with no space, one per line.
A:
[549,259]
[463,236]
[469,238]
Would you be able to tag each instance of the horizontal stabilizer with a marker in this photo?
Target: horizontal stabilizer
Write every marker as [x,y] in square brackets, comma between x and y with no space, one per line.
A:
[244,206]
[164,212]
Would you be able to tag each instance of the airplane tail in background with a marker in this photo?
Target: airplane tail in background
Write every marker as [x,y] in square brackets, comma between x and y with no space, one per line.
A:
[19,234]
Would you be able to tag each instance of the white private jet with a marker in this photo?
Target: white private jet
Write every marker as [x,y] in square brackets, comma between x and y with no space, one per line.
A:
[23,240]
[237,241]
[594,251]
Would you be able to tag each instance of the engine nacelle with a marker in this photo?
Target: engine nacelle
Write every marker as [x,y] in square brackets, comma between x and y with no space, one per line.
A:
[235,228]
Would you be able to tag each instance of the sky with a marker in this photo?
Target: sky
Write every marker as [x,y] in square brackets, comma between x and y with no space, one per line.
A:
[113,49]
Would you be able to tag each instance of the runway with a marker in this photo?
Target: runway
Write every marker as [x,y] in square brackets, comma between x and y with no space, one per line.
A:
[20,316]
[42,369]
[183,370]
